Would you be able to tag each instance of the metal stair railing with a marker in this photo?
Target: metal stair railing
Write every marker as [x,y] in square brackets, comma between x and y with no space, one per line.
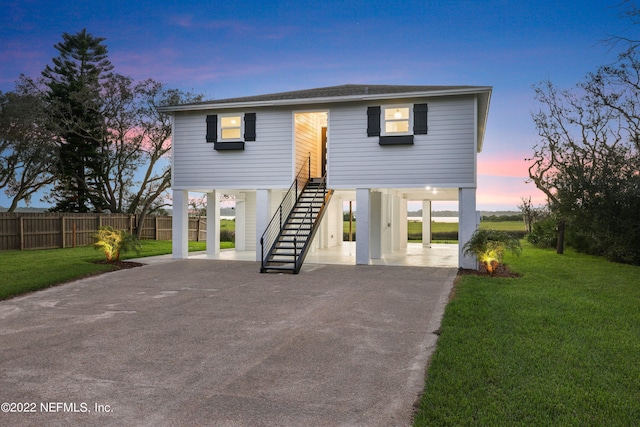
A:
[309,224]
[273,230]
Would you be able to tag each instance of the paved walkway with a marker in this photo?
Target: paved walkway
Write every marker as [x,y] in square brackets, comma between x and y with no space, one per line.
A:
[199,342]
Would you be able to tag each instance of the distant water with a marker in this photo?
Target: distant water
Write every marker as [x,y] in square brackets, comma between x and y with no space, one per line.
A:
[435,218]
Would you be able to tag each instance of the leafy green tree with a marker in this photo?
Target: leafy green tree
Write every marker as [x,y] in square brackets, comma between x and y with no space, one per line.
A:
[112,143]
[489,247]
[588,159]
[27,153]
[74,95]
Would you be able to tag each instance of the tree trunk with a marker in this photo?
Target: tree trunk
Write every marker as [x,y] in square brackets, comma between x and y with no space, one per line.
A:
[14,204]
[561,227]
[140,221]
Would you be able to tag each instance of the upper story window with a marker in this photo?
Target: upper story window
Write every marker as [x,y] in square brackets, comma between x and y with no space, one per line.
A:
[230,128]
[397,124]
[397,120]
[230,131]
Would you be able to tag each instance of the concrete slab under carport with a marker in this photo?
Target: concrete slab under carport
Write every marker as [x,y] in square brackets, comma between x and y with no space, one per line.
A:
[440,255]
[195,342]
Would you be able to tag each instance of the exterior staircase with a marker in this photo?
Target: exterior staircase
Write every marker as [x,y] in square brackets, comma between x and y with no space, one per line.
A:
[286,250]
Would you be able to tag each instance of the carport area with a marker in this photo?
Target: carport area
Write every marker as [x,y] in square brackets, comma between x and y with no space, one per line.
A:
[441,255]
[201,342]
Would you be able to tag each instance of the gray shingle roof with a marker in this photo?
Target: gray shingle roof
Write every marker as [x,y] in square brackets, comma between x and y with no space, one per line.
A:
[334,91]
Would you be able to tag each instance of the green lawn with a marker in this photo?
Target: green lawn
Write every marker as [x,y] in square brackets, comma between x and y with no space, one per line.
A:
[227,224]
[440,229]
[415,228]
[447,227]
[437,227]
[558,346]
[25,271]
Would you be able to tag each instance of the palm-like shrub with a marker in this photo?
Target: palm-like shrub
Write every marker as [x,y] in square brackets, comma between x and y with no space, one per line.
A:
[489,246]
[114,242]
[544,234]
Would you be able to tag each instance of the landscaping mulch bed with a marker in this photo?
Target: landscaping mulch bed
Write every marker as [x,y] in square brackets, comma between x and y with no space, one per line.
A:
[501,271]
[121,265]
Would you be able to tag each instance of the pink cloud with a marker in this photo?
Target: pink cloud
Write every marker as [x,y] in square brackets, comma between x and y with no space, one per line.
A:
[506,191]
[509,165]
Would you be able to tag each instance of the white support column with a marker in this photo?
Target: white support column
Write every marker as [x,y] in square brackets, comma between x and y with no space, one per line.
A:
[180,227]
[467,224]
[386,223]
[396,225]
[213,223]
[375,225]
[241,226]
[263,216]
[337,222]
[426,223]
[404,223]
[250,221]
[363,210]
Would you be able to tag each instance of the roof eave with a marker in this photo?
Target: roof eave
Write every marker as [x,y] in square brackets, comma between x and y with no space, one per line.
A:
[483,109]
[325,100]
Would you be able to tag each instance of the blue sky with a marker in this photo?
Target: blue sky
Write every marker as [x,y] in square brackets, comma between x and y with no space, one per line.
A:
[229,49]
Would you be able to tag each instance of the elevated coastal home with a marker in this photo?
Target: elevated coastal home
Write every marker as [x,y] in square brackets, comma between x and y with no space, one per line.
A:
[292,159]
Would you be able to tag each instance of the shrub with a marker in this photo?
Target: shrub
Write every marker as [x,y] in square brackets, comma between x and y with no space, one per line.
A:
[544,234]
[345,236]
[489,247]
[114,242]
[227,235]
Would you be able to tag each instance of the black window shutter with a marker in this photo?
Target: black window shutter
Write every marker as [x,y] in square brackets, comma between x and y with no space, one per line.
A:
[420,119]
[212,128]
[373,122]
[250,126]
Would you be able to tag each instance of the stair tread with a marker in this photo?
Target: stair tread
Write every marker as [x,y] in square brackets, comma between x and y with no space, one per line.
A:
[301,224]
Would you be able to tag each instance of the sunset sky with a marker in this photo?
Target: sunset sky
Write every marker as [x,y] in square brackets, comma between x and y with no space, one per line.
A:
[228,49]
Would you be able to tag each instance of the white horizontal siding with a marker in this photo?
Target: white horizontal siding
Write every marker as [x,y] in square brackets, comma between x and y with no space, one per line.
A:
[445,156]
[265,162]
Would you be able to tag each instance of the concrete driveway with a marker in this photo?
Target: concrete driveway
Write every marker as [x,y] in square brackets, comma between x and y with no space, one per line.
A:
[197,342]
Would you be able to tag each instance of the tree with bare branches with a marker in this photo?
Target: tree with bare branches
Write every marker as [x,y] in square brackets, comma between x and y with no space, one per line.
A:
[27,152]
[588,159]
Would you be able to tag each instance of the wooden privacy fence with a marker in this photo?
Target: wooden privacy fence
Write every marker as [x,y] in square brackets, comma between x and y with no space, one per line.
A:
[64,230]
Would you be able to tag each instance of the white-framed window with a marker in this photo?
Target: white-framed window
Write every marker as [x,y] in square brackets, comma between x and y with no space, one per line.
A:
[396,120]
[231,127]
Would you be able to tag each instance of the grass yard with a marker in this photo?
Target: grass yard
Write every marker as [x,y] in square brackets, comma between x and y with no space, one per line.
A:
[447,227]
[26,271]
[558,346]
[228,225]
[439,230]
[503,225]
[415,227]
